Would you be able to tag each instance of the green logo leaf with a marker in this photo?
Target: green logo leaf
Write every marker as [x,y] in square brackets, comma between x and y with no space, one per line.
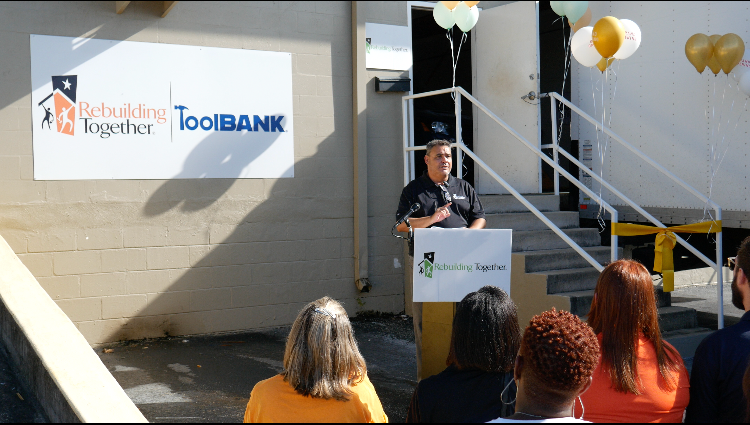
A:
[427,268]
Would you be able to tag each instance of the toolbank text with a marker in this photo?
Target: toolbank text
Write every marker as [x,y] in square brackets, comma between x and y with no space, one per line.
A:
[229,122]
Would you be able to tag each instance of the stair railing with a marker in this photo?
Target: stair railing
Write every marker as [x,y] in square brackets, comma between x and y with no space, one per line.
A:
[557,150]
[409,170]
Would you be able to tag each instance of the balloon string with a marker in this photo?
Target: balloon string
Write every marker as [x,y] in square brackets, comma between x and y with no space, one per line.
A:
[454,58]
[566,64]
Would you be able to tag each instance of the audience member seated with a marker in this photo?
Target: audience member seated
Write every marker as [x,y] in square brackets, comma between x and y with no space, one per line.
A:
[558,356]
[478,383]
[640,378]
[324,378]
[721,359]
[746,392]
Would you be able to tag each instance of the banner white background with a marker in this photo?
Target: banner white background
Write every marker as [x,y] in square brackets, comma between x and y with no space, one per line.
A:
[206,80]
[466,248]
[390,47]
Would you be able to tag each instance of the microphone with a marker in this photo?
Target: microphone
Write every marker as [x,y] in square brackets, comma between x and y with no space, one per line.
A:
[414,208]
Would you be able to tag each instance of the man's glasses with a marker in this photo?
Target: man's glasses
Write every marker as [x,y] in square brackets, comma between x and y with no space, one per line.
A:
[731,261]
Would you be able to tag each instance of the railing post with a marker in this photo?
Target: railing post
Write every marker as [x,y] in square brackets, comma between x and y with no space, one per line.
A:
[405,118]
[553,110]
[614,238]
[459,139]
[719,273]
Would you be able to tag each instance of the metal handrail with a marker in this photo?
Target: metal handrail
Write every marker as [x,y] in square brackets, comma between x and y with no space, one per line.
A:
[557,150]
[458,91]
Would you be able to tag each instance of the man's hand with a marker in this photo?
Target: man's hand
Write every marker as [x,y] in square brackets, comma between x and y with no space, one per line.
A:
[442,213]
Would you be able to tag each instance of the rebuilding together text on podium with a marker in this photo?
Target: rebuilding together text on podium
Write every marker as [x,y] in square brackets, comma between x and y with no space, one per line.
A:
[444,201]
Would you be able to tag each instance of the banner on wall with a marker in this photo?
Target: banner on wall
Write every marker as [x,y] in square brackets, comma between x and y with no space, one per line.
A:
[450,263]
[387,47]
[104,109]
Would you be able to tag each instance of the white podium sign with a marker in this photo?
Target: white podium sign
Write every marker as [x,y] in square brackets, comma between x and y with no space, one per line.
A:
[450,263]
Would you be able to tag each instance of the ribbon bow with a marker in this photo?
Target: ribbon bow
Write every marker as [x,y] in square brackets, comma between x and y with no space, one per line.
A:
[666,240]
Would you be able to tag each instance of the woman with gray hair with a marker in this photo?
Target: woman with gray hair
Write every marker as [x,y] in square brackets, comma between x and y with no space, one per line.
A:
[324,377]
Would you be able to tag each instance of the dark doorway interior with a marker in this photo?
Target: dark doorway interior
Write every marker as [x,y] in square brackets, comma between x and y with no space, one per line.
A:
[434,117]
[553,34]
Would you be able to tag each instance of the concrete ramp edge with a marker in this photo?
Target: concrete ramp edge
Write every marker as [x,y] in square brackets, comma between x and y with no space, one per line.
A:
[55,361]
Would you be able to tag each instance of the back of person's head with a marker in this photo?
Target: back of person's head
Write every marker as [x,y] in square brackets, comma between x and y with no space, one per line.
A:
[322,359]
[743,257]
[485,334]
[624,307]
[560,354]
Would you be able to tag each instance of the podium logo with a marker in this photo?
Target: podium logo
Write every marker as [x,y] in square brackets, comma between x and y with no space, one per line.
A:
[63,97]
[427,265]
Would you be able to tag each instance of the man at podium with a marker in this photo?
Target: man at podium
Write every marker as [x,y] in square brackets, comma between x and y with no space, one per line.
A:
[444,201]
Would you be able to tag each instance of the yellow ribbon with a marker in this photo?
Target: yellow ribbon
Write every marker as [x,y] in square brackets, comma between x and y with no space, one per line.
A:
[665,242]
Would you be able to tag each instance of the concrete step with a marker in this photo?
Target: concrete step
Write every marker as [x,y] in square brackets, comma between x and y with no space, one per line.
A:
[508,203]
[528,221]
[561,259]
[580,304]
[536,240]
[570,280]
[673,318]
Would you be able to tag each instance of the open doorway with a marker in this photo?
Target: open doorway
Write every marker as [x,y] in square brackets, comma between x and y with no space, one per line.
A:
[553,32]
[434,117]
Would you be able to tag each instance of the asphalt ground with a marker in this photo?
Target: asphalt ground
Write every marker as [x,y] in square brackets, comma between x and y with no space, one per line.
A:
[209,378]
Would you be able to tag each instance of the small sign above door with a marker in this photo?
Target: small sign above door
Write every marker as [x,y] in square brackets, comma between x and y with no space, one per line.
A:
[388,47]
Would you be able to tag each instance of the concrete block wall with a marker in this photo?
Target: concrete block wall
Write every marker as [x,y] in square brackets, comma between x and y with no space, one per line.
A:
[128,259]
[385,165]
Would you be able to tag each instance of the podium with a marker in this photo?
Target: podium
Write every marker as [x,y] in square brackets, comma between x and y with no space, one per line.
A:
[448,265]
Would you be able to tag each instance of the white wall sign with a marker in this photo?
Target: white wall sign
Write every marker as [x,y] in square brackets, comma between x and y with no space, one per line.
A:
[450,263]
[388,47]
[106,109]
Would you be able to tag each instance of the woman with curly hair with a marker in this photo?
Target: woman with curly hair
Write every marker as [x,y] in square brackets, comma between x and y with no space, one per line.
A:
[558,355]
[324,377]
[641,378]
[478,384]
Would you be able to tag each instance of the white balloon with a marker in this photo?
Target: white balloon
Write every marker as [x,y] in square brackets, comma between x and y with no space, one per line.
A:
[466,17]
[443,16]
[583,48]
[632,39]
[745,83]
[742,67]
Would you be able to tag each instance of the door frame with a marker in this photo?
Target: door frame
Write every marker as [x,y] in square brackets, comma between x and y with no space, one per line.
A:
[431,5]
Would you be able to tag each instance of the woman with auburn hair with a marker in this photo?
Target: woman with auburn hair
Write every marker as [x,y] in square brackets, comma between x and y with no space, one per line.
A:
[478,384]
[324,377]
[640,378]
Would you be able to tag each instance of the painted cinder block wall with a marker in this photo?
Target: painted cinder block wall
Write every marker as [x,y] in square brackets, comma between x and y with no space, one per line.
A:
[128,259]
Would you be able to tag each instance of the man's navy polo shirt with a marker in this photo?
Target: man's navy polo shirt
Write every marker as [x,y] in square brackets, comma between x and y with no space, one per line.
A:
[716,378]
[465,208]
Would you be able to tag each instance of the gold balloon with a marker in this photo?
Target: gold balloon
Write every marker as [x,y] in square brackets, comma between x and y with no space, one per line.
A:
[471,3]
[604,64]
[450,4]
[699,49]
[583,22]
[728,51]
[712,63]
[608,36]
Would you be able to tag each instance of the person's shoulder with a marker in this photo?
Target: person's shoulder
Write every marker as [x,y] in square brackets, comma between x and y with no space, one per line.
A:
[271,384]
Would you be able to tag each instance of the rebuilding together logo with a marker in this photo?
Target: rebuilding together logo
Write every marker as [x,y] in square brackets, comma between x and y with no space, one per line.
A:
[428,266]
[65,87]
[64,93]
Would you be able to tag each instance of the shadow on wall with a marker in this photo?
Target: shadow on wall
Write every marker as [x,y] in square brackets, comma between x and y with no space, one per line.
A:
[213,158]
[293,246]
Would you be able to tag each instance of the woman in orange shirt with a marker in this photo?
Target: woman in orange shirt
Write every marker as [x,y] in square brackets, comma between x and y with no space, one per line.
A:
[324,378]
[640,377]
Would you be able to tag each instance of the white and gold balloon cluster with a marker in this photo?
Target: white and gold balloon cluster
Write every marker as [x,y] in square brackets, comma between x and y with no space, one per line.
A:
[609,39]
[463,14]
